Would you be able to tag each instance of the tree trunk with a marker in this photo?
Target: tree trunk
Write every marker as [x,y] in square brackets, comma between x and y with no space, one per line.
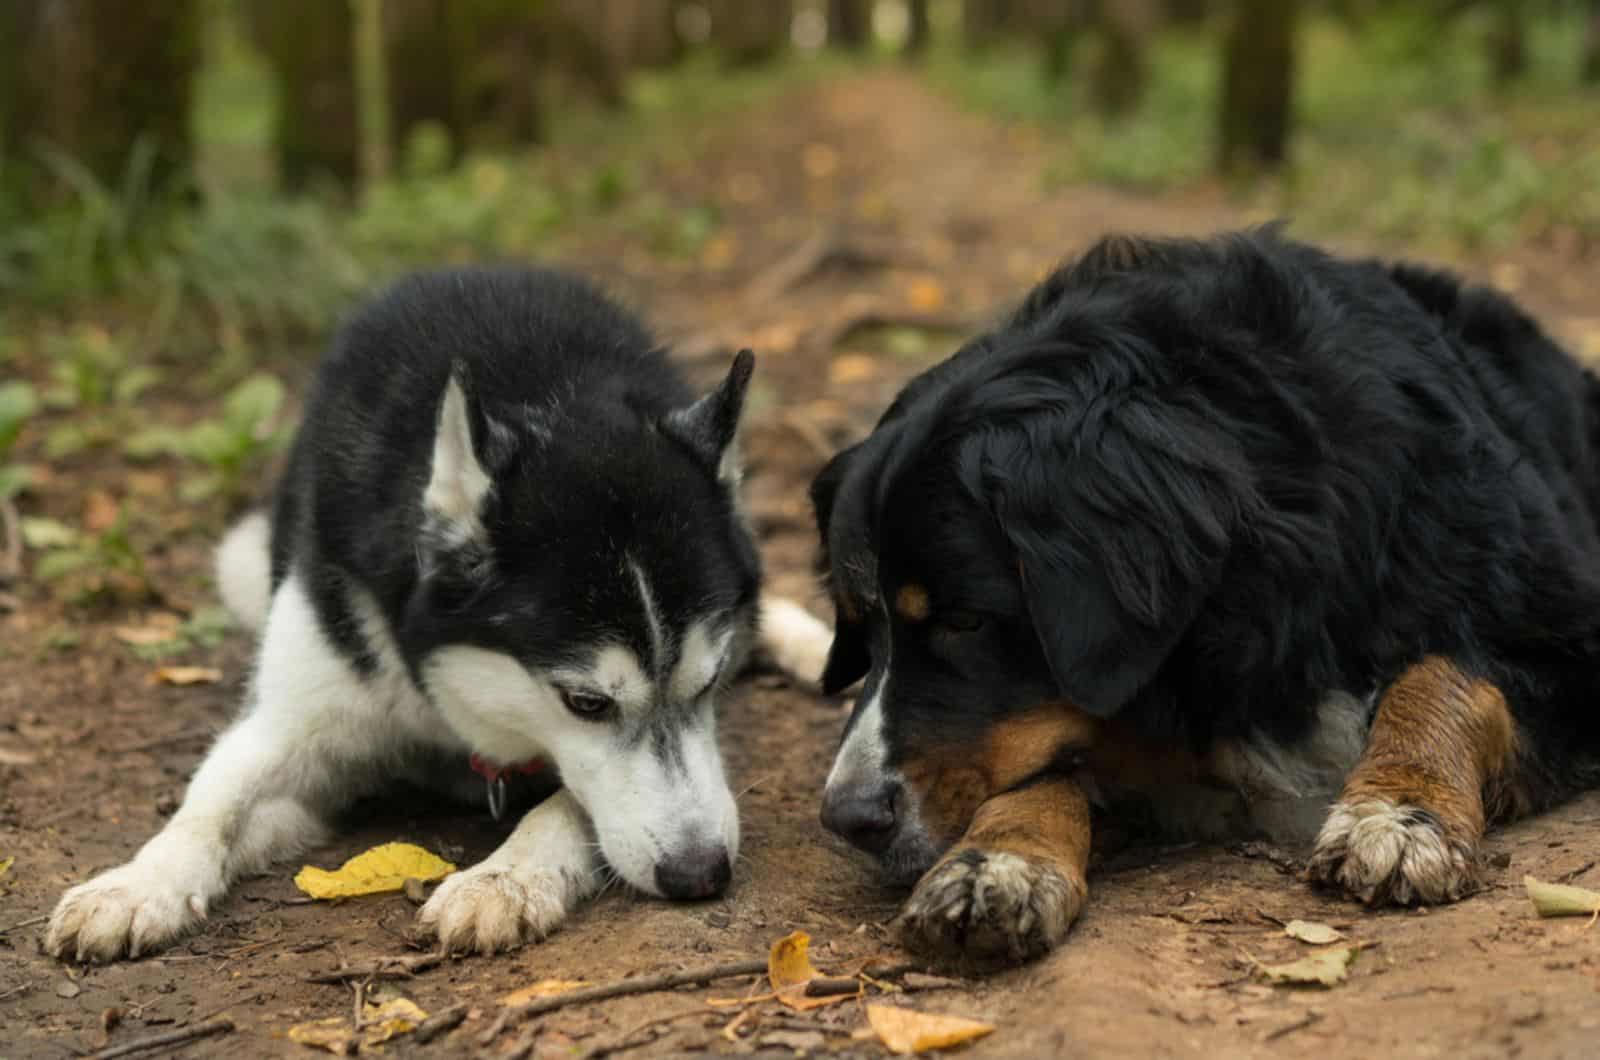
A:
[90,78]
[849,23]
[1590,70]
[1257,86]
[748,33]
[918,31]
[1508,48]
[1117,81]
[307,44]
[372,92]
[983,21]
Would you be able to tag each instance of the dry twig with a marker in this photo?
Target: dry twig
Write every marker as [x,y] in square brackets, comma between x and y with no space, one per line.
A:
[644,984]
[442,1022]
[161,1041]
[380,969]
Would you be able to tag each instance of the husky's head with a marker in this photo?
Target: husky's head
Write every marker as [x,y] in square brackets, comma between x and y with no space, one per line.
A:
[587,587]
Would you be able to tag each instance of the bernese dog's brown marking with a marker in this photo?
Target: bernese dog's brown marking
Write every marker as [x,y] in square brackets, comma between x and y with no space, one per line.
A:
[1228,532]
[1438,766]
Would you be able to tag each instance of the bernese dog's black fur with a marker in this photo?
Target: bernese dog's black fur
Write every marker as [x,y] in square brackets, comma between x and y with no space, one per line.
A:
[1192,488]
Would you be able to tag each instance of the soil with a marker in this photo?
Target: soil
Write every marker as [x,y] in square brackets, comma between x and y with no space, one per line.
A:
[936,214]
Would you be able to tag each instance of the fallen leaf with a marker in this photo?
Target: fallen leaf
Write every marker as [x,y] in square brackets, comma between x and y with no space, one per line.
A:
[379,1023]
[789,970]
[1560,899]
[381,870]
[543,988]
[144,636]
[926,293]
[1311,931]
[788,964]
[904,1030]
[5,865]
[39,532]
[100,511]
[185,675]
[851,368]
[1325,968]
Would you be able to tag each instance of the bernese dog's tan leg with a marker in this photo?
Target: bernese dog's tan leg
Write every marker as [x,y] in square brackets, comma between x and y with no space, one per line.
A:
[1013,884]
[1437,762]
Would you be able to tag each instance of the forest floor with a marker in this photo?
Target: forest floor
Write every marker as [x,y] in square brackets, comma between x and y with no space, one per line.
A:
[866,224]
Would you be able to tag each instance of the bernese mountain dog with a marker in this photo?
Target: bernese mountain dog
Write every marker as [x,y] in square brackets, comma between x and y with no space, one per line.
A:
[1231,532]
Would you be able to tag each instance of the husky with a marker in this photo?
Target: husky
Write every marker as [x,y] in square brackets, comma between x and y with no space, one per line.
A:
[507,535]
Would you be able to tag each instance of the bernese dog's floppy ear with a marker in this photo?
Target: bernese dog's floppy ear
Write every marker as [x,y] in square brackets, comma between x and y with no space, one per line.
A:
[848,657]
[1120,532]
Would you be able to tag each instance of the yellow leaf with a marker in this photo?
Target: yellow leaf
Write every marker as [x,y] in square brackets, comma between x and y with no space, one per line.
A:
[5,865]
[379,1023]
[851,368]
[332,1034]
[381,870]
[1311,931]
[902,1030]
[926,293]
[185,675]
[1323,968]
[543,988]
[787,962]
[1559,899]
[789,970]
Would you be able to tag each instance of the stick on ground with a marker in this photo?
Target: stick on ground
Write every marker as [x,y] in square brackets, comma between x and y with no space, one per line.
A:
[645,984]
[159,1041]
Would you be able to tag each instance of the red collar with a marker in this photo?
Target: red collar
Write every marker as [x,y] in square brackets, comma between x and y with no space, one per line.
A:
[491,772]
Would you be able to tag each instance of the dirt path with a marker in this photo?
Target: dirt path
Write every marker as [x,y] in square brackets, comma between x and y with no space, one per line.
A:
[940,215]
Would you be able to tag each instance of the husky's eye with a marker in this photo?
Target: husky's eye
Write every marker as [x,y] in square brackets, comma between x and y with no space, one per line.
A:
[961,621]
[588,705]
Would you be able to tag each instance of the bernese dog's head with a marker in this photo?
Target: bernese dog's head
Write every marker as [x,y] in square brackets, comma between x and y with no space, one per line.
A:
[1013,553]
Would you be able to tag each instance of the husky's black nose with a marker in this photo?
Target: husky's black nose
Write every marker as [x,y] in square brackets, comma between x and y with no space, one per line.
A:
[864,816]
[700,872]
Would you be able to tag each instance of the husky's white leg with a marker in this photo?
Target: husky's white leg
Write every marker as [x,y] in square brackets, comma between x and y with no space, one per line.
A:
[796,641]
[260,794]
[525,889]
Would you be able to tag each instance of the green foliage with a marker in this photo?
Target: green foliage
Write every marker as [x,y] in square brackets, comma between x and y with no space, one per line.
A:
[203,629]
[1401,132]
[98,566]
[231,447]
[17,405]
[90,369]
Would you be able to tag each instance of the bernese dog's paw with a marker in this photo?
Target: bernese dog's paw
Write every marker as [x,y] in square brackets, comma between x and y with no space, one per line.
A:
[487,909]
[125,912]
[1383,852]
[990,907]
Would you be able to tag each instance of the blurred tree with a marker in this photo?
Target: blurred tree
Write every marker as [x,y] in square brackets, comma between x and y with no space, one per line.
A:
[984,21]
[746,32]
[372,91]
[91,77]
[849,23]
[307,44]
[637,33]
[1590,70]
[1508,48]
[1257,86]
[918,29]
[1117,80]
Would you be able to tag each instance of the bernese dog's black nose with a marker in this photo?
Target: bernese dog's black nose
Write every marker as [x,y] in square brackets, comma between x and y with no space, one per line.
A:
[864,816]
[700,872]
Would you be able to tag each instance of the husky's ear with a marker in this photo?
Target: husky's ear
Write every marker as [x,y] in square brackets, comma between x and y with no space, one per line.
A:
[458,483]
[709,426]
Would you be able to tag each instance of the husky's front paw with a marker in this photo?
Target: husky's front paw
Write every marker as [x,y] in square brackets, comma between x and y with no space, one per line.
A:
[127,911]
[1379,852]
[487,910]
[990,907]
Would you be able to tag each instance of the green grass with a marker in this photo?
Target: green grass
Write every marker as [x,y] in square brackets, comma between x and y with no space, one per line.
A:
[1401,133]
